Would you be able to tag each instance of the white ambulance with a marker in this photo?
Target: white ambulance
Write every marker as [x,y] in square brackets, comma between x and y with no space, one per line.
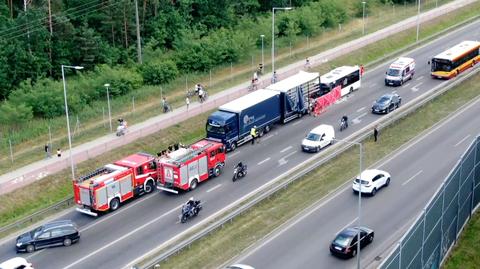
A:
[400,71]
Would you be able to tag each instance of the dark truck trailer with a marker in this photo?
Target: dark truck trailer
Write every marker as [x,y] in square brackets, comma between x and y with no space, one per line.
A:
[232,123]
[296,93]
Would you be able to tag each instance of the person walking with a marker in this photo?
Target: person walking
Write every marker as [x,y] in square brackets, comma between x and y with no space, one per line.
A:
[59,153]
[375,133]
[307,63]
[274,77]
[187,101]
[253,133]
[47,151]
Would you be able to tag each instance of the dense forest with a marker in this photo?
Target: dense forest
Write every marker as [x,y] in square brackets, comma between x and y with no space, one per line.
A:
[177,37]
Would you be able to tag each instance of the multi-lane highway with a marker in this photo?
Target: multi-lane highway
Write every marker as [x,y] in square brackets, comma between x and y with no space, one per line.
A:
[113,240]
[417,170]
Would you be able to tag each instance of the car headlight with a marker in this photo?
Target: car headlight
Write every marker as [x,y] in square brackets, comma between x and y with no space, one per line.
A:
[19,244]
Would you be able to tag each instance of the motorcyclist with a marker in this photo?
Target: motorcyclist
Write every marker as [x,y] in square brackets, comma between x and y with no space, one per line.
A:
[240,167]
[190,206]
[344,120]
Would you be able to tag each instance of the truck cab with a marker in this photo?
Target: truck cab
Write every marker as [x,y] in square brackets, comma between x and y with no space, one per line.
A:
[222,126]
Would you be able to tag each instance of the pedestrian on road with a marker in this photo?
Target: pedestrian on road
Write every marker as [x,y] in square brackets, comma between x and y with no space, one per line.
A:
[47,151]
[375,133]
[59,153]
[187,101]
[253,133]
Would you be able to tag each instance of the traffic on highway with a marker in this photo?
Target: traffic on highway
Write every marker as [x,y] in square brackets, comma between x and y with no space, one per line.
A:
[269,131]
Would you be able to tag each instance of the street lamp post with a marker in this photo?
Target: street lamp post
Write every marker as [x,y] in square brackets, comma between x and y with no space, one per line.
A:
[108,103]
[66,113]
[273,37]
[418,19]
[263,62]
[359,193]
[363,18]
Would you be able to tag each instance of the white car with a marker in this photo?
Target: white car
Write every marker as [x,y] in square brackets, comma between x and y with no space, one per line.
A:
[239,266]
[372,180]
[318,138]
[16,263]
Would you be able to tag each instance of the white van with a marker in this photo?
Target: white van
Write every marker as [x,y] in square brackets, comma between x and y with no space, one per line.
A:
[400,71]
[318,138]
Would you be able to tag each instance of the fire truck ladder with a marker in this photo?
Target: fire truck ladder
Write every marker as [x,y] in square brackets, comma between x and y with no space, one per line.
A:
[192,154]
[94,173]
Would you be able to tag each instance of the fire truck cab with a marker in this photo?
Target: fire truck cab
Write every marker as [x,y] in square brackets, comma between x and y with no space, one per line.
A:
[184,168]
[105,188]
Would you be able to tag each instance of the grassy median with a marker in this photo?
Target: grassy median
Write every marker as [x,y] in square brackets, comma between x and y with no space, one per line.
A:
[55,188]
[258,222]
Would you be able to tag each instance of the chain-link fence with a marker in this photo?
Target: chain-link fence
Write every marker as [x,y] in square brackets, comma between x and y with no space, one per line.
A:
[427,243]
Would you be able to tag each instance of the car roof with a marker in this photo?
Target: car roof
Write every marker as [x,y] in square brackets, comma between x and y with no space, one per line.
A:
[320,128]
[240,266]
[352,231]
[58,223]
[370,173]
[13,262]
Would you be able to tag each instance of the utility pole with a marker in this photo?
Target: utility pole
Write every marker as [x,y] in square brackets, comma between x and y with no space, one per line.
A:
[139,45]
[51,33]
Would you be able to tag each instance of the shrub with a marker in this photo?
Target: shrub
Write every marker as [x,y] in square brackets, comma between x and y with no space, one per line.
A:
[14,116]
[159,73]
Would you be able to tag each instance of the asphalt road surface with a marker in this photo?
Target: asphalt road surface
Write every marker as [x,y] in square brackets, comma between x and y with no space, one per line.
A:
[115,239]
[417,170]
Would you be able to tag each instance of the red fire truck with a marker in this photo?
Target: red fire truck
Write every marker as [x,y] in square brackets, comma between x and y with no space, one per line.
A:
[105,188]
[184,168]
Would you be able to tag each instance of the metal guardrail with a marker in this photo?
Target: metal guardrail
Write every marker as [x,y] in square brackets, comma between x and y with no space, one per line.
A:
[23,222]
[321,159]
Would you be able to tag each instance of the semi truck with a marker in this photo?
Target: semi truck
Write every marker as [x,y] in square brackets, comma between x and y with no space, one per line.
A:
[280,102]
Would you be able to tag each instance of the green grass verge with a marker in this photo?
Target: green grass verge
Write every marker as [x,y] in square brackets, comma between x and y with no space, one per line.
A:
[147,99]
[55,188]
[466,253]
[259,221]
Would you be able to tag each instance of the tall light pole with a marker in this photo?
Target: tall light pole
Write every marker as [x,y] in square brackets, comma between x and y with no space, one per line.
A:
[359,193]
[263,62]
[363,18]
[66,113]
[108,102]
[273,36]
[418,19]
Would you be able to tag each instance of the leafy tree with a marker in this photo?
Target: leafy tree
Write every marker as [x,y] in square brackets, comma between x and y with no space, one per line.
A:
[159,73]
[14,116]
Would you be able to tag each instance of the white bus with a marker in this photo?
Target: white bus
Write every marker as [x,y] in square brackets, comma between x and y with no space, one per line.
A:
[347,77]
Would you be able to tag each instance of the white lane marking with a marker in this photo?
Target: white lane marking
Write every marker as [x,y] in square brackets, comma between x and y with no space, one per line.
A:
[266,160]
[412,177]
[233,154]
[374,85]
[122,237]
[419,78]
[214,188]
[282,160]
[348,225]
[415,88]
[357,120]
[460,142]
[267,137]
[406,85]
[285,149]
[297,122]
[360,109]
[394,92]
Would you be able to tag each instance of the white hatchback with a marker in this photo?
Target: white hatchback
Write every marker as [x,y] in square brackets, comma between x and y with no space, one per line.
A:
[372,180]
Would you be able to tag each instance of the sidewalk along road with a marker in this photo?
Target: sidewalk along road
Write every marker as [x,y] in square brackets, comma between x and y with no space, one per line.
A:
[148,222]
[40,169]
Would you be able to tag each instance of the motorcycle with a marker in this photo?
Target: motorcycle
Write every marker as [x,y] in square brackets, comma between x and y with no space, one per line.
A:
[188,212]
[239,172]
[343,125]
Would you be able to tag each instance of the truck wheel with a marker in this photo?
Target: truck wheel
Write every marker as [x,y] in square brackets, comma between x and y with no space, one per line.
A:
[267,128]
[149,187]
[114,204]
[217,170]
[193,184]
[233,146]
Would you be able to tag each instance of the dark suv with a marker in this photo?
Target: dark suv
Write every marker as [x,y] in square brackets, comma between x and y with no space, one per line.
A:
[57,233]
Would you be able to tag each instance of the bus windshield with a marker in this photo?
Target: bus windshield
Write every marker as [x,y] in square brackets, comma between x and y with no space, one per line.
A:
[441,65]
[215,129]
[393,72]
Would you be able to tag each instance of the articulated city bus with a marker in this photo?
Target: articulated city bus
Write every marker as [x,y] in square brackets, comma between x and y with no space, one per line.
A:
[451,62]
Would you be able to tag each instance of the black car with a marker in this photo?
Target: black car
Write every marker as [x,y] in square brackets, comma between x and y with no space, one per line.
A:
[386,103]
[345,243]
[57,233]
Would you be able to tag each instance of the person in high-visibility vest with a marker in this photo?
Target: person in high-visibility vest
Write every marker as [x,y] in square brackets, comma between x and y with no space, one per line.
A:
[253,133]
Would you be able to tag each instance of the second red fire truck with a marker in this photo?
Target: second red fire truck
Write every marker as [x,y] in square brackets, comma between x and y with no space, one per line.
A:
[105,188]
[184,168]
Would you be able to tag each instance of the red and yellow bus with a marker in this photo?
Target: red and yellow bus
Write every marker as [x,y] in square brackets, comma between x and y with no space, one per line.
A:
[451,62]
